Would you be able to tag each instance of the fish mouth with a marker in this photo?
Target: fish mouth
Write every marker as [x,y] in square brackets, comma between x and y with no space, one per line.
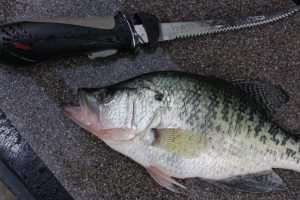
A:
[86,115]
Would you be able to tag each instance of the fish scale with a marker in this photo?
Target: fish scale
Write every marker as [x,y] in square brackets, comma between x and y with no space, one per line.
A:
[254,124]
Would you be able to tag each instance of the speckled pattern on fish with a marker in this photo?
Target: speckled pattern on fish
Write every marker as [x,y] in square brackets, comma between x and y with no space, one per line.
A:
[190,126]
[32,97]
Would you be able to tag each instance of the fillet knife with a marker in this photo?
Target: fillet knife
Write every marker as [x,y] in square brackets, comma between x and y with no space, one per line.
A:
[99,37]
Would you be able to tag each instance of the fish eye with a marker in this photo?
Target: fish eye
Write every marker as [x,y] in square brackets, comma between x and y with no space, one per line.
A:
[159,96]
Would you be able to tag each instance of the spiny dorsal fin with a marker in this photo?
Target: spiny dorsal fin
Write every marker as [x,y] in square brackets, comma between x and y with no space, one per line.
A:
[267,181]
[271,97]
[297,2]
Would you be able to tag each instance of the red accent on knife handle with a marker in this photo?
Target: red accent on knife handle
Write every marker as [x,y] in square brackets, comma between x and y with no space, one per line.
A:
[22,46]
[36,41]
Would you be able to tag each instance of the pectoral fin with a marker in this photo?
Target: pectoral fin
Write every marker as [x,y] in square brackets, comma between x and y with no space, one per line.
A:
[182,142]
[163,179]
[267,181]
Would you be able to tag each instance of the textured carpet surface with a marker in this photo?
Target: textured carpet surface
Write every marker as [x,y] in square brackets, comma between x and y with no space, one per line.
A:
[33,97]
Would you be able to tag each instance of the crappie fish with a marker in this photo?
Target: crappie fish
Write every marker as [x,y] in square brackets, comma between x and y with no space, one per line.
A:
[179,125]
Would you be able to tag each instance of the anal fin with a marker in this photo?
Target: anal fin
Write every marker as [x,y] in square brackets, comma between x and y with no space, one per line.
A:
[267,181]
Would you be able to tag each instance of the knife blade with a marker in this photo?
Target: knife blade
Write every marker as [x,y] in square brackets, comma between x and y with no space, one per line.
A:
[98,37]
[171,31]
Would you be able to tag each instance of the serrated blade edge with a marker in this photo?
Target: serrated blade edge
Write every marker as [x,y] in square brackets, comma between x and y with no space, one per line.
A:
[178,30]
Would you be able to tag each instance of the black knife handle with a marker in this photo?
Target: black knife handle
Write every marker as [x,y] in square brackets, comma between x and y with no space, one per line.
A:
[35,41]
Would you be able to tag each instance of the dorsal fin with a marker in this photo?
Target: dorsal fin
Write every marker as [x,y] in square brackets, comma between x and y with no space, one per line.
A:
[270,97]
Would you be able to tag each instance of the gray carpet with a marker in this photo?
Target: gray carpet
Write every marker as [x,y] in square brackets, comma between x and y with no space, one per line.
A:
[33,97]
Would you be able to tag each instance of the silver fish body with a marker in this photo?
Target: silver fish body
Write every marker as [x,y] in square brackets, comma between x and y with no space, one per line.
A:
[187,126]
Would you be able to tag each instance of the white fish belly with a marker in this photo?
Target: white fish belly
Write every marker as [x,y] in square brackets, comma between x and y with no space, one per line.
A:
[221,159]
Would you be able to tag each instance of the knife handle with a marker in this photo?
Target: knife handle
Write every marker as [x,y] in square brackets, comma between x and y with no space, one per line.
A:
[35,41]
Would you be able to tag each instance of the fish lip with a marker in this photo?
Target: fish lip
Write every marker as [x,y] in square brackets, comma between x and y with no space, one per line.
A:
[72,112]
